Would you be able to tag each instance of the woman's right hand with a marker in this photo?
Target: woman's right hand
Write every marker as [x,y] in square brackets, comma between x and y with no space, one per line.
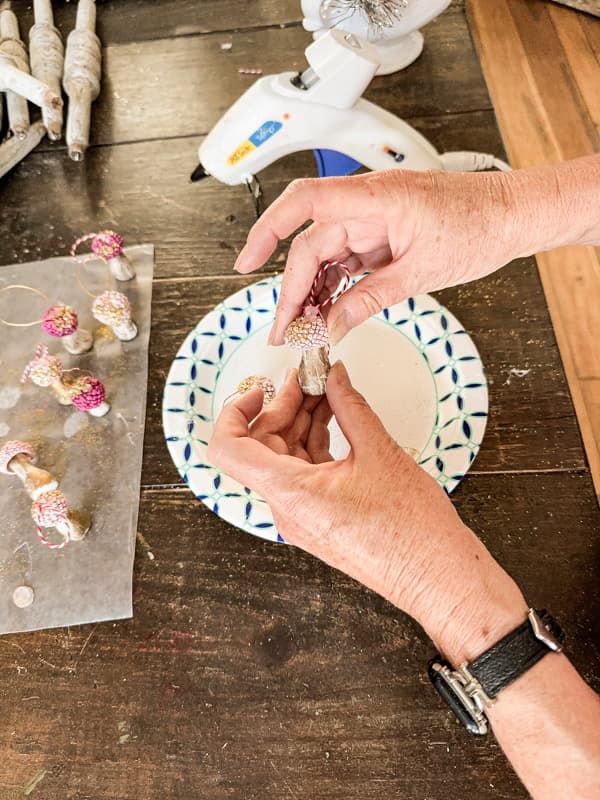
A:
[414,231]
[417,231]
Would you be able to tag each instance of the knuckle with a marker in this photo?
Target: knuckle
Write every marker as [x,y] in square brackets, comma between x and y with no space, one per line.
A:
[298,185]
[300,243]
[372,299]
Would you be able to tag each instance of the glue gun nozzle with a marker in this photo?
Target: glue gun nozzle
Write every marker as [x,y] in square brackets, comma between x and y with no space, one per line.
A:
[198,174]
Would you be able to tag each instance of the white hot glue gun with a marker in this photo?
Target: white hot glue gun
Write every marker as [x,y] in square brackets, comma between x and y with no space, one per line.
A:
[321,109]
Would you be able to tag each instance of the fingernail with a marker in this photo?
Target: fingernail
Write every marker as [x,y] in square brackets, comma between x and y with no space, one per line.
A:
[239,262]
[337,371]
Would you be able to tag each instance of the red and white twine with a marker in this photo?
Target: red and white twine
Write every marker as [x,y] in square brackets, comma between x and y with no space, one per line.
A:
[311,300]
[48,510]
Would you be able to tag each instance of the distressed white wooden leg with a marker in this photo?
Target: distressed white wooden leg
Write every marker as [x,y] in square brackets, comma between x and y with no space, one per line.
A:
[14,150]
[46,52]
[12,46]
[81,78]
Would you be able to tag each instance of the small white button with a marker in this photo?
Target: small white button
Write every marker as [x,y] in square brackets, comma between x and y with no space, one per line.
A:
[23,596]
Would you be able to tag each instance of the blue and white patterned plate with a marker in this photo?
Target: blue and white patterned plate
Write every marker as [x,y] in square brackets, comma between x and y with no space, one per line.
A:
[414,363]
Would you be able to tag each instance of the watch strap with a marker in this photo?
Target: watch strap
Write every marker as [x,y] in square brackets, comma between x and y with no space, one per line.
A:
[514,654]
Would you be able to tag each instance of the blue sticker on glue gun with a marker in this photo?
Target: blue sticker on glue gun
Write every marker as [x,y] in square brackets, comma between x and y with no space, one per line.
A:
[260,136]
[266,130]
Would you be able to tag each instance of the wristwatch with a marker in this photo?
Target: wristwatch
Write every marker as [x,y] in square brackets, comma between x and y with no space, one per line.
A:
[473,687]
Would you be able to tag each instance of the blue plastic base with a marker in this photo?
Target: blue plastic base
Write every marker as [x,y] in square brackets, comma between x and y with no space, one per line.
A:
[331,163]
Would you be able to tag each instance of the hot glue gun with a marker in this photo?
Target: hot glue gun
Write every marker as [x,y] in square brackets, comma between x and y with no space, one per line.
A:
[321,109]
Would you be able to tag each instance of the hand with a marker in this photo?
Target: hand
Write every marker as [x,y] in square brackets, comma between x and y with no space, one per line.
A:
[414,231]
[419,231]
[375,515]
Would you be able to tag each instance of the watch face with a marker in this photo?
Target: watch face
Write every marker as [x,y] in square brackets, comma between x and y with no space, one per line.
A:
[449,689]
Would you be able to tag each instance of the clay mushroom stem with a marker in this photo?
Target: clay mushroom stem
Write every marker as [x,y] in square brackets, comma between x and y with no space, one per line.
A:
[309,335]
[82,78]
[46,52]
[17,458]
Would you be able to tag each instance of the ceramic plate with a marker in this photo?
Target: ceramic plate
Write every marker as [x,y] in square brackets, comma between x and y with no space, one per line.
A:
[414,362]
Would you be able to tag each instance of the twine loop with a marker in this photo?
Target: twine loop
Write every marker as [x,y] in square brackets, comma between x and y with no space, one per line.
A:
[44,369]
[51,508]
[309,331]
[311,300]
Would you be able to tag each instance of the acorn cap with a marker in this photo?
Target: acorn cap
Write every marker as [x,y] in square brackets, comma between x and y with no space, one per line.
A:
[111,308]
[258,382]
[12,449]
[308,332]
[60,320]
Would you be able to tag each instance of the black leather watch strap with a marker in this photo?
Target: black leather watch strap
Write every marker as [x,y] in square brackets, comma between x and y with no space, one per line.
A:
[513,655]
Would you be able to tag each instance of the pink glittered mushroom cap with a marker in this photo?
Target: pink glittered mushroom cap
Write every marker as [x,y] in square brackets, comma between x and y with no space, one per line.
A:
[112,308]
[87,393]
[12,449]
[44,369]
[258,382]
[49,508]
[107,244]
[60,320]
[307,332]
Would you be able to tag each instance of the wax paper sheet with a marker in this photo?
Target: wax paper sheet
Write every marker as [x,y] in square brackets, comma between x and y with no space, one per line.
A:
[97,460]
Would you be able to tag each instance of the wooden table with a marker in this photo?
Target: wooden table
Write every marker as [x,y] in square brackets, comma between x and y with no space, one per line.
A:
[250,670]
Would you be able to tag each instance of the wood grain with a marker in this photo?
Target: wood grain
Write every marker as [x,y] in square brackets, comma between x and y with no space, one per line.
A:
[141,20]
[143,191]
[589,6]
[251,670]
[583,61]
[542,107]
[445,79]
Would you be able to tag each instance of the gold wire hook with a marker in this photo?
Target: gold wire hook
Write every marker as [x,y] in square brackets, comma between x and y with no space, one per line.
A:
[28,289]
[80,264]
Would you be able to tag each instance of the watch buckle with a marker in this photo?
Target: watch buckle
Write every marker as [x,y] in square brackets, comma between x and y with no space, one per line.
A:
[474,689]
[543,632]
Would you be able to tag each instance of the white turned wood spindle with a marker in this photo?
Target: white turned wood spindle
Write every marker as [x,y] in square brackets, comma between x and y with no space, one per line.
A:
[46,52]
[14,150]
[81,78]
[12,46]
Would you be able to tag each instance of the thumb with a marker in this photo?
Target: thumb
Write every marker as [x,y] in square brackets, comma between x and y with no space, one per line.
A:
[367,297]
[359,423]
